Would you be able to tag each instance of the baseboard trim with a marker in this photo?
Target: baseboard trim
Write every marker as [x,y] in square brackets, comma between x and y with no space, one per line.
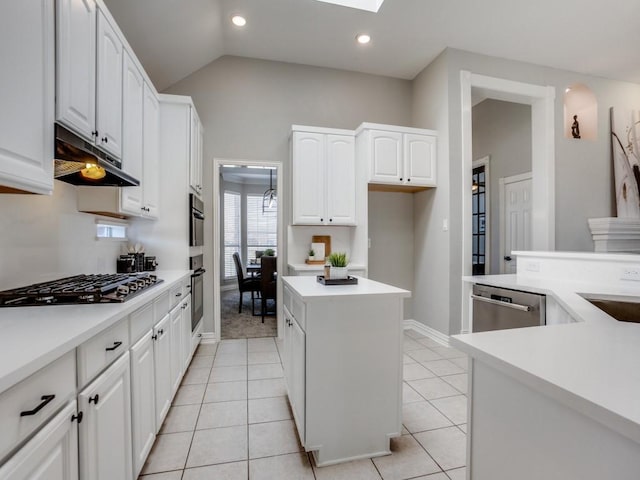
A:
[208,338]
[427,331]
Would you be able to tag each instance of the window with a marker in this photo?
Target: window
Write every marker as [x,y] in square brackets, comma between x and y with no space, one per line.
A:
[107,229]
[262,230]
[478,217]
[232,234]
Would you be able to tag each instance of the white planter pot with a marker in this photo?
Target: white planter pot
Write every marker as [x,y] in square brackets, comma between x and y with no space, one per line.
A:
[339,273]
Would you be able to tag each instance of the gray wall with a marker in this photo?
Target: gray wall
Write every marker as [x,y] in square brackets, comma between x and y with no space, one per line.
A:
[247,107]
[391,234]
[502,131]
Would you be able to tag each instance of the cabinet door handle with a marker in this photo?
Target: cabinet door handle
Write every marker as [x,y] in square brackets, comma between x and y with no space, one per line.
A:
[400,178]
[105,140]
[322,219]
[77,417]
[115,345]
[94,133]
[408,179]
[46,399]
[94,399]
[331,219]
[154,337]
[179,294]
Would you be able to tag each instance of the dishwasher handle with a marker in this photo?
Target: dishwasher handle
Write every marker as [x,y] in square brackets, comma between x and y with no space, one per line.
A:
[515,306]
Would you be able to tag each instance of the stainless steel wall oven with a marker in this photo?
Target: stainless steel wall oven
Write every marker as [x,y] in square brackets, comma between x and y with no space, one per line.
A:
[197,290]
[196,221]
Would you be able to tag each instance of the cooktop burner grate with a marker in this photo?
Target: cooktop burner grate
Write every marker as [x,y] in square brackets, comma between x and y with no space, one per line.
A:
[80,289]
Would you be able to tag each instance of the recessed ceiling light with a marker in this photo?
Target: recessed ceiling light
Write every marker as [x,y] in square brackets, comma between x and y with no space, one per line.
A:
[363,38]
[239,21]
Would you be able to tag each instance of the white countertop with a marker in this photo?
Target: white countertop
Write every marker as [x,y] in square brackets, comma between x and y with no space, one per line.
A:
[33,337]
[593,365]
[309,288]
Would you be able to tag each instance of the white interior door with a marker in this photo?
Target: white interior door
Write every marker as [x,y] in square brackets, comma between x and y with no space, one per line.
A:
[515,216]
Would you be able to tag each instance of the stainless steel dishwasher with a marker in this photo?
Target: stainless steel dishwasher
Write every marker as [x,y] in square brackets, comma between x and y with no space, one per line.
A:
[500,308]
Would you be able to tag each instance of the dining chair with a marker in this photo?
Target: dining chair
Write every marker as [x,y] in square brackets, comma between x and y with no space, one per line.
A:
[268,282]
[245,284]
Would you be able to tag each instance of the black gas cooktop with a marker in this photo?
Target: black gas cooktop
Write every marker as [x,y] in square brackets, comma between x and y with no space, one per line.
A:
[80,289]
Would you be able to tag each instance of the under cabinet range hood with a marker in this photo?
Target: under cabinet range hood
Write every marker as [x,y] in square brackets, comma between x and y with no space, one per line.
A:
[81,163]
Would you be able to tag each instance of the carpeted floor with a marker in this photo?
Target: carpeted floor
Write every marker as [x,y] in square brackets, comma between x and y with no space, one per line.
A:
[244,325]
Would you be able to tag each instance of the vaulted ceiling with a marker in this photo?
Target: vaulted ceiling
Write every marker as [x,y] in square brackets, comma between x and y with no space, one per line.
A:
[174,38]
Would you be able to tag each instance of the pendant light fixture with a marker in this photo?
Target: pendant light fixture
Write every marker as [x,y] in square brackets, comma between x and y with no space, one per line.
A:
[269,198]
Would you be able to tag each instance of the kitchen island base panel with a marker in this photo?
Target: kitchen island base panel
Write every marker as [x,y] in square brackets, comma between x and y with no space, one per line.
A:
[353,377]
[518,432]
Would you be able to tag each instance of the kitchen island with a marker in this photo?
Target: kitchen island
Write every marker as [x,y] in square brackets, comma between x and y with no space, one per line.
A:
[560,401]
[343,366]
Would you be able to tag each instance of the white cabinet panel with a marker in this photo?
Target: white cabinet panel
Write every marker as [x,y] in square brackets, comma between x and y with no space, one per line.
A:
[195,153]
[175,340]
[298,360]
[76,66]
[420,159]
[186,333]
[341,180]
[143,393]
[162,361]
[132,134]
[27,50]
[109,88]
[51,455]
[151,153]
[323,178]
[105,430]
[386,156]
[308,178]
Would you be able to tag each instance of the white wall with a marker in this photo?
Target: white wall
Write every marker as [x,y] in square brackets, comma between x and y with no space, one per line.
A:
[501,130]
[247,107]
[44,237]
[391,234]
[432,251]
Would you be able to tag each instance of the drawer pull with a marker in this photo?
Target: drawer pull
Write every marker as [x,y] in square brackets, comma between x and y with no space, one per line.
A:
[77,417]
[94,399]
[179,294]
[115,345]
[155,337]
[45,400]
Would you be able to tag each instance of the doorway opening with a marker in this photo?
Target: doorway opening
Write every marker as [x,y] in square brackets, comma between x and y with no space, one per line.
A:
[247,229]
[541,100]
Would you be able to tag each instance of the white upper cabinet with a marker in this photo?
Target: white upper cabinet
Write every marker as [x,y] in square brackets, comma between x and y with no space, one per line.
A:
[132,133]
[386,156]
[420,159]
[195,153]
[151,153]
[398,155]
[341,180]
[323,163]
[76,66]
[109,88]
[27,39]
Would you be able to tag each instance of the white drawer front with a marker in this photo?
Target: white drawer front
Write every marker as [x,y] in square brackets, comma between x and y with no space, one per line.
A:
[161,307]
[298,311]
[97,353]
[141,321]
[27,405]
[176,294]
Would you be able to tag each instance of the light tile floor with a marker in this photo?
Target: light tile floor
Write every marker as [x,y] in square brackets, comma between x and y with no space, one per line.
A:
[231,420]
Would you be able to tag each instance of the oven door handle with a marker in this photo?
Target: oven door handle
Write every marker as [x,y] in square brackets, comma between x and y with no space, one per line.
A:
[197,214]
[515,306]
[198,273]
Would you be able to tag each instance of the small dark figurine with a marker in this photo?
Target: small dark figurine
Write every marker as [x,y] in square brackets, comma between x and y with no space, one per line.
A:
[575,127]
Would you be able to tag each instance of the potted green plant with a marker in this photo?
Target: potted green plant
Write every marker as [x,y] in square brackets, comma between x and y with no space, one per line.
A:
[312,254]
[269,252]
[338,262]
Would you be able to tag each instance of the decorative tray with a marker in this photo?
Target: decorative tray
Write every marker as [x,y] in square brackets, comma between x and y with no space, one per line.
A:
[337,281]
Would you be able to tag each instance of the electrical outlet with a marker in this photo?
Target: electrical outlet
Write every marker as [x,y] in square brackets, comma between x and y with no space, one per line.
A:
[532,266]
[631,273]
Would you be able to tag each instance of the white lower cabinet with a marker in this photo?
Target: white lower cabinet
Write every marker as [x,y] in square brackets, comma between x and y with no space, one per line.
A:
[52,454]
[294,369]
[186,334]
[162,360]
[105,430]
[143,394]
[175,339]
